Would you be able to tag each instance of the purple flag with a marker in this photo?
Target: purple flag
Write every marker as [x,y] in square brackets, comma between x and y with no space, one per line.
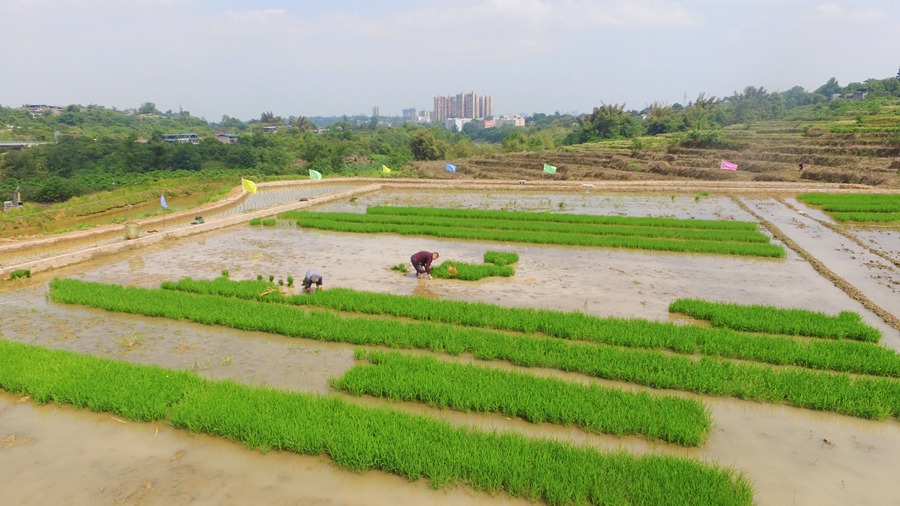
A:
[726,165]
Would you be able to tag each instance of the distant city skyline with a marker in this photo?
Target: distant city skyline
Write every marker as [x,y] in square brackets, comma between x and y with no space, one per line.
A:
[343,57]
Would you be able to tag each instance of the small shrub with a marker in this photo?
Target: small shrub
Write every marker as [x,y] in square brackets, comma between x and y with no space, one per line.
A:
[20,273]
[225,273]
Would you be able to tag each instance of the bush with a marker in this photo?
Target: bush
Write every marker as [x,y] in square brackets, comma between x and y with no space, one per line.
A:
[20,273]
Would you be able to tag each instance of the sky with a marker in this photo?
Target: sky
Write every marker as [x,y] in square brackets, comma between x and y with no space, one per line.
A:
[344,57]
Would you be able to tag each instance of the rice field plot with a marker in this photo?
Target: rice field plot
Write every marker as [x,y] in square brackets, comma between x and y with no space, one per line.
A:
[857,207]
[837,355]
[864,396]
[660,234]
[362,439]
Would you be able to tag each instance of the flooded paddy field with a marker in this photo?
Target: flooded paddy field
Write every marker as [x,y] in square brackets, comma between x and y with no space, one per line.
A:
[56,454]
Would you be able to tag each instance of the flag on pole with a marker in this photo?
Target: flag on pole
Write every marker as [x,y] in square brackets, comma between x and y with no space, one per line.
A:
[162,201]
[315,175]
[248,185]
[726,165]
[385,169]
[451,167]
[549,169]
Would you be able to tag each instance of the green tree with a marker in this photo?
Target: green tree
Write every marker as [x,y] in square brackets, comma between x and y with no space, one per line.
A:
[829,88]
[148,108]
[424,146]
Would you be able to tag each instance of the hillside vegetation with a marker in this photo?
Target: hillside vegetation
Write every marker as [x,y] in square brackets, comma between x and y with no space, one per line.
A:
[847,134]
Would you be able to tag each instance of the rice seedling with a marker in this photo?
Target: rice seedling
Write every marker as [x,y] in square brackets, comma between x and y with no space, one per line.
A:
[20,273]
[854,202]
[845,356]
[361,439]
[798,322]
[754,245]
[256,221]
[470,388]
[142,393]
[400,268]
[432,212]
[500,258]
[867,217]
[662,234]
[866,397]
[857,207]
[470,272]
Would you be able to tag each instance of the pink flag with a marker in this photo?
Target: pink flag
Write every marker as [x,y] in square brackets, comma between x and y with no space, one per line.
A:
[726,165]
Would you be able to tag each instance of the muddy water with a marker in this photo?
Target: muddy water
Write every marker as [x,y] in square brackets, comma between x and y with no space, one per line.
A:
[792,456]
[876,276]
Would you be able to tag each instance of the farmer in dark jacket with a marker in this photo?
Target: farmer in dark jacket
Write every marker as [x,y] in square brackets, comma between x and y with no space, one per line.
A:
[422,262]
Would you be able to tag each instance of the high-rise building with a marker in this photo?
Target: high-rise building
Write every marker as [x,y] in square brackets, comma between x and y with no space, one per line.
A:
[464,106]
[409,114]
[376,111]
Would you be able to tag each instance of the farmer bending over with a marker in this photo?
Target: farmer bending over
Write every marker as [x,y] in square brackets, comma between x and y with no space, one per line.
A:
[312,277]
[422,262]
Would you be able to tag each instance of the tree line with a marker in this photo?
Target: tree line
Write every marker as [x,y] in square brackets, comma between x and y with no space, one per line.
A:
[94,148]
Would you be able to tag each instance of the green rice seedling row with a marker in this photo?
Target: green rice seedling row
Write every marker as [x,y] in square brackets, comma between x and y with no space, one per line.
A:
[470,388]
[429,212]
[88,382]
[854,202]
[619,230]
[797,322]
[362,439]
[321,221]
[867,217]
[862,397]
[844,356]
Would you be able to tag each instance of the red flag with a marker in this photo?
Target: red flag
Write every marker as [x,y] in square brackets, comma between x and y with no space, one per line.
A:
[726,165]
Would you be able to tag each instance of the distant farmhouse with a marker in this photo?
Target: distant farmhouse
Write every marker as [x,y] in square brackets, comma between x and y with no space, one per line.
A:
[227,138]
[859,94]
[182,138]
[36,109]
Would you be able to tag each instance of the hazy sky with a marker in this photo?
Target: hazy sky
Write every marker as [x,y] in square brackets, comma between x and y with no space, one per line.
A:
[337,57]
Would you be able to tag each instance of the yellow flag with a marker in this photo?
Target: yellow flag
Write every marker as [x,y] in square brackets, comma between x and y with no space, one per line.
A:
[248,185]
[385,169]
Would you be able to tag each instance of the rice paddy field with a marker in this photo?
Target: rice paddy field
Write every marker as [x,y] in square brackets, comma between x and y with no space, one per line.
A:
[539,369]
